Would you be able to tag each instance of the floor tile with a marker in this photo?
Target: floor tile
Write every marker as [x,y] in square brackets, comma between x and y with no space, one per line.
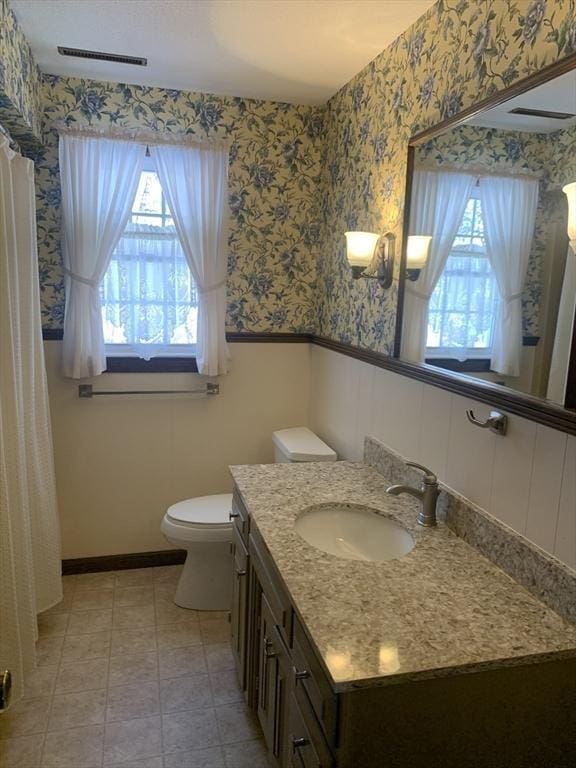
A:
[64,606]
[190,730]
[181,693]
[93,599]
[132,739]
[179,662]
[219,657]
[197,758]
[225,687]
[247,754]
[21,752]
[133,641]
[206,616]
[126,702]
[167,574]
[87,581]
[81,676]
[237,723]
[146,762]
[133,669]
[26,717]
[129,616]
[169,613]
[72,710]
[82,647]
[134,596]
[87,622]
[134,577]
[75,748]
[52,624]
[216,631]
[48,651]
[41,682]
[179,635]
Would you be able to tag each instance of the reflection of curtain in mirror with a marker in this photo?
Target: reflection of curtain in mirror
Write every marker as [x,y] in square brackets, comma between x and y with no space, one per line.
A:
[563,337]
[437,206]
[509,209]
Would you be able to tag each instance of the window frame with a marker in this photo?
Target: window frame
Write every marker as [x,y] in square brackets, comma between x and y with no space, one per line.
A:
[182,357]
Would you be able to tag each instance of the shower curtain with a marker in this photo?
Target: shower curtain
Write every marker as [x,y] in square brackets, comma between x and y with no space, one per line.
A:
[30,562]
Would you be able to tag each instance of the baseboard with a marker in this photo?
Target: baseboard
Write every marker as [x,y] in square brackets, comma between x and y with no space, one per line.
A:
[123,562]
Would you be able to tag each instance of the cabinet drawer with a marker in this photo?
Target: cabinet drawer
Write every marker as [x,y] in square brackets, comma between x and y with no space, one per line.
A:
[271,585]
[309,676]
[305,746]
[239,516]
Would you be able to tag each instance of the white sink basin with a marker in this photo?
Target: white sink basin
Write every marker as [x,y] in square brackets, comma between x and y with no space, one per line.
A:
[353,532]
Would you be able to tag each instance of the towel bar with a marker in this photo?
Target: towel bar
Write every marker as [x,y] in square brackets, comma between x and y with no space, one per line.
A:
[86,390]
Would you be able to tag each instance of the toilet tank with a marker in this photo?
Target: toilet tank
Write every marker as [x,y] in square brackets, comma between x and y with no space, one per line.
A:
[300,444]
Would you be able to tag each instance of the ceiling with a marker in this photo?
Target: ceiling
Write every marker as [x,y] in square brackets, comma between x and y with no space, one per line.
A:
[299,51]
[558,95]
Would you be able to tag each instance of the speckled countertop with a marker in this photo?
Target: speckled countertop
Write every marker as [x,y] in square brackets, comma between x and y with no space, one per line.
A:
[442,609]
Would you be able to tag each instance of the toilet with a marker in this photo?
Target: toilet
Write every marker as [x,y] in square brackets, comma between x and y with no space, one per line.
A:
[203,528]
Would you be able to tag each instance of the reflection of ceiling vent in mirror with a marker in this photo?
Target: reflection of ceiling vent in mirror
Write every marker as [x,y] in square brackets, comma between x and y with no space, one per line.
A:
[117,58]
[542,113]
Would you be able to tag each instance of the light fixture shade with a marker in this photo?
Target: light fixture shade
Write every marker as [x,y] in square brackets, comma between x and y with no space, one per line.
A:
[570,192]
[360,247]
[417,251]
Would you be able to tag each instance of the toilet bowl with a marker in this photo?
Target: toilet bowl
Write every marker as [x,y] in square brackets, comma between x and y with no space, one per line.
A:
[202,527]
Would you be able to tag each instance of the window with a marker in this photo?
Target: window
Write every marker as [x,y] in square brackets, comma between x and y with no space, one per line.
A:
[463,306]
[149,303]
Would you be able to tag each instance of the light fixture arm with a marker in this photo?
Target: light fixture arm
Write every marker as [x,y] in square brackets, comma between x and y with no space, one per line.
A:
[382,265]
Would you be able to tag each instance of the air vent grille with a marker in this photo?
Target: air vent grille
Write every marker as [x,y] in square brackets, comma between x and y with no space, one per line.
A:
[542,113]
[117,58]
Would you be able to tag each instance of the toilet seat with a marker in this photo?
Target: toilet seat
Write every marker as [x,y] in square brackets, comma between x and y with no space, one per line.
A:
[203,518]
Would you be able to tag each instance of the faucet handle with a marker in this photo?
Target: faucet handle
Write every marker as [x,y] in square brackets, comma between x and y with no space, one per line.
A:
[429,476]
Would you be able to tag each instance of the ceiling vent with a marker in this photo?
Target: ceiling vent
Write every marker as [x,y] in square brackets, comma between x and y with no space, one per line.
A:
[117,58]
[542,113]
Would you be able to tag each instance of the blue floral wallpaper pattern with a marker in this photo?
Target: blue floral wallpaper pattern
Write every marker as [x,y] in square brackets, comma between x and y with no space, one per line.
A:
[459,52]
[275,151]
[549,156]
[19,83]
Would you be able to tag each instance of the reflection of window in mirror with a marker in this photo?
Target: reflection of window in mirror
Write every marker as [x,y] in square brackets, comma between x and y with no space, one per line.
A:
[463,306]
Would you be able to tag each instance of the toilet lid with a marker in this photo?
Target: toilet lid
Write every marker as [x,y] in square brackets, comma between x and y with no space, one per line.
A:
[203,510]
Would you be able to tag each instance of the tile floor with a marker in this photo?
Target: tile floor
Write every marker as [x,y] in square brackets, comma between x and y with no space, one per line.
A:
[126,678]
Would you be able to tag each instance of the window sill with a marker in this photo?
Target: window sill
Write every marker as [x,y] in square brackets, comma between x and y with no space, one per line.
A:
[473,365]
[118,364]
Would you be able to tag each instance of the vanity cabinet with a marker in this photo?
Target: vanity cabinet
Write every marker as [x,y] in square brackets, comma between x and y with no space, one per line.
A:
[511,717]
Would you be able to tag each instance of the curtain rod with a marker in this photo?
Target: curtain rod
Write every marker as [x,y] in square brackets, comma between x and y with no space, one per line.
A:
[477,171]
[143,136]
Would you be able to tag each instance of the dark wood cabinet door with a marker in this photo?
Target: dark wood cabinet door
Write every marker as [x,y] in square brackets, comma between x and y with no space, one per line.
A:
[267,673]
[239,611]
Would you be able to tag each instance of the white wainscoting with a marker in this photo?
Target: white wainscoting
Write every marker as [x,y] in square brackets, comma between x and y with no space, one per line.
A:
[527,479]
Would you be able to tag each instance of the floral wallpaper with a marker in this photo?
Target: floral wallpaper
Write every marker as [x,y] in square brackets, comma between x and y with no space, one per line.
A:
[459,52]
[549,156]
[275,152]
[19,83]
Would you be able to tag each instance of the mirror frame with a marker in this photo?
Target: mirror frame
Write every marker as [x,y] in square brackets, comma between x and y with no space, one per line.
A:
[537,409]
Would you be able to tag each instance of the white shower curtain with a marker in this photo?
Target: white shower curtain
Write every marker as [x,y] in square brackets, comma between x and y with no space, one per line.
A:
[509,210]
[437,207]
[30,561]
[195,182]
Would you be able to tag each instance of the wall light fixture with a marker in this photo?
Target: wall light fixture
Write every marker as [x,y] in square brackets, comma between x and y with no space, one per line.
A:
[417,251]
[371,255]
[570,192]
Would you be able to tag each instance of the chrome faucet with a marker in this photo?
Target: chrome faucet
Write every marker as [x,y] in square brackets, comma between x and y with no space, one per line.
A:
[427,494]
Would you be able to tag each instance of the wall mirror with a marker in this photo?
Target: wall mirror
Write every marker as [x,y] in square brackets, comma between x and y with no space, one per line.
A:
[488,275]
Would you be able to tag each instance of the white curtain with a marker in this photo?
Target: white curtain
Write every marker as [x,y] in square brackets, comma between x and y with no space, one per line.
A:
[195,182]
[30,561]
[148,294]
[509,209]
[437,207]
[99,178]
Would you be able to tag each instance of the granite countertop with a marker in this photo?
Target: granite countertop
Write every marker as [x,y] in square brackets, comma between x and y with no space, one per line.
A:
[440,610]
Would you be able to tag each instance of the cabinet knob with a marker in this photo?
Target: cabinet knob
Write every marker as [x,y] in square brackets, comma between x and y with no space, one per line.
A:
[232,515]
[301,674]
[239,572]
[269,652]
[298,742]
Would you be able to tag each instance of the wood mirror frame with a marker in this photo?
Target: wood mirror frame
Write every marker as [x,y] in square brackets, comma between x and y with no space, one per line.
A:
[531,407]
